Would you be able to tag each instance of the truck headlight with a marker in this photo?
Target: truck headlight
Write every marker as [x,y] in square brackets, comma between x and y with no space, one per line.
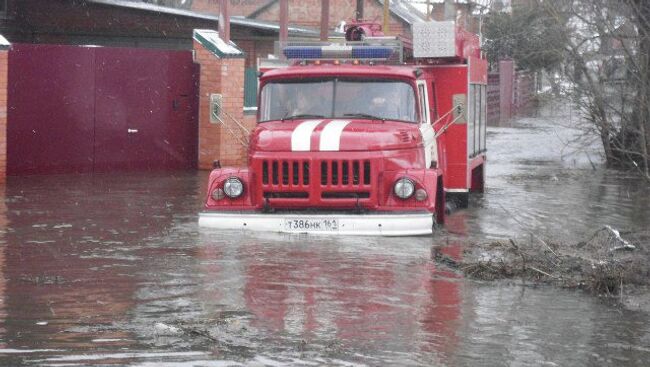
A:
[404,188]
[233,187]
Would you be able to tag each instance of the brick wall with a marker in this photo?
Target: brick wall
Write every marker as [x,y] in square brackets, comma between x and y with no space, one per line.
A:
[231,150]
[226,77]
[463,17]
[250,120]
[255,49]
[306,13]
[493,99]
[372,10]
[237,7]
[3,114]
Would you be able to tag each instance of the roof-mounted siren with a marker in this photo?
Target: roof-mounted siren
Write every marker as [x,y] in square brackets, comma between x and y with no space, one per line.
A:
[444,40]
[358,31]
[364,41]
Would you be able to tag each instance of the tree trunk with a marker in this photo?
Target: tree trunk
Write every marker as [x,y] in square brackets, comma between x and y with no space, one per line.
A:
[641,115]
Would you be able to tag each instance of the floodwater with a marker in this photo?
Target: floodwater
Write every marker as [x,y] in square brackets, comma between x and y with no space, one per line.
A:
[113,270]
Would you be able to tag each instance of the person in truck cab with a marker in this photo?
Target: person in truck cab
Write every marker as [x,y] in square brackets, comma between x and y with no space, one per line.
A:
[303,105]
[390,104]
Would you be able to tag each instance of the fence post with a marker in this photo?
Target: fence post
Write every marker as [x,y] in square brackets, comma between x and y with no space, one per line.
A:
[4,70]
[506,88]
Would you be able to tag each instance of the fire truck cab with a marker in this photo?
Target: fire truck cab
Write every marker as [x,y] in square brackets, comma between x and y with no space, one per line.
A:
[350,142]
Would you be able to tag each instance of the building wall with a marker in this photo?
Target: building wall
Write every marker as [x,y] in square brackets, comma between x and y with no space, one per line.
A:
[306,13]
[59,22]
[8,18]
[3,113]
[463,17]
[255,49]
[237,7]
[226,77]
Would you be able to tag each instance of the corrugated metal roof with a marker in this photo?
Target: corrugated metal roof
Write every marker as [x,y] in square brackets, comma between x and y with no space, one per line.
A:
[234,20]
[259,24]
[405,11]
[400,9]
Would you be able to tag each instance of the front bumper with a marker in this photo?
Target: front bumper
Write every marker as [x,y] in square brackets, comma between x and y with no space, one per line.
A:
[384,224]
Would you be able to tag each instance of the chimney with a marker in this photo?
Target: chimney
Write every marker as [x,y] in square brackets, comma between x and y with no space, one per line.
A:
[224,20]
[284,21]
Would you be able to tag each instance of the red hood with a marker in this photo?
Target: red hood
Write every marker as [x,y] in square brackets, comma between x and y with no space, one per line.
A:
[334,135]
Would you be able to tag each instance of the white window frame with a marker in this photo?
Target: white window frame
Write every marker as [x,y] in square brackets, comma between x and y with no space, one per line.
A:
[423,95]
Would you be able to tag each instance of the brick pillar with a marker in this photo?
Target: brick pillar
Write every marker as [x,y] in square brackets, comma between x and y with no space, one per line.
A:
[506,88]
[225,76]
[4,67]
[231,150]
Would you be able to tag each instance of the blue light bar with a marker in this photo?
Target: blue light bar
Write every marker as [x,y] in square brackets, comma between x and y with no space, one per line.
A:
[372,52]
[337,52]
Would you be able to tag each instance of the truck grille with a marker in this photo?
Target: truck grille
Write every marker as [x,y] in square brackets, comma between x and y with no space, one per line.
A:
[335,179]
[334,173]
[285,173]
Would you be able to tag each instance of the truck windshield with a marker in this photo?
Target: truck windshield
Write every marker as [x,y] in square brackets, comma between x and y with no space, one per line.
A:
[379,99]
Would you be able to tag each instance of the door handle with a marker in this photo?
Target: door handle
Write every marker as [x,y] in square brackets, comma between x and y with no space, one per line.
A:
[132,131]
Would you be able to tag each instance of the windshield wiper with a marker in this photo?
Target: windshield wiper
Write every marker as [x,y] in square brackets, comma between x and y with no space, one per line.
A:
[364,115]
[303,116]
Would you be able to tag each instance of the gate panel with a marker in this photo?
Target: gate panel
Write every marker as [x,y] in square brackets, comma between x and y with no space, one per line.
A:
[50,109]
[83,109]
[145,110]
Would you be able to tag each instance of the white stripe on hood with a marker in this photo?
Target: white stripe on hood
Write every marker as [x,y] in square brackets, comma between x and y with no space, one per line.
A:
[301,136]
[330,138]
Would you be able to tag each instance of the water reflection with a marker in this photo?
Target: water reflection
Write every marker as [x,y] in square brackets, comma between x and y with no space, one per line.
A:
[559,195]
[113,269]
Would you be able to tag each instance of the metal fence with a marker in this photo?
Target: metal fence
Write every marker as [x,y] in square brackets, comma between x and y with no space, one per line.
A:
[493,99]
[521,86]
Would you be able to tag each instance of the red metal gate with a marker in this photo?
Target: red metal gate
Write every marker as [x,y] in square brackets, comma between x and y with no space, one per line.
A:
[86,109]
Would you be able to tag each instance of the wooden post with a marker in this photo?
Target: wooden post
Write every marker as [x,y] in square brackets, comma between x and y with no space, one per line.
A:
[324,19]
[506,88]
[4,90]
[359,12]
[386,16]
[224,20]
[284,21]
[450,10]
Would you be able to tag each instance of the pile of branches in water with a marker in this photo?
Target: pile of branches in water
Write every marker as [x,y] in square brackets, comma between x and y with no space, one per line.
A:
[604,264]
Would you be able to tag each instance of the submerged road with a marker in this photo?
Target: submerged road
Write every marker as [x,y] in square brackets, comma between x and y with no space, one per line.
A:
[113,270]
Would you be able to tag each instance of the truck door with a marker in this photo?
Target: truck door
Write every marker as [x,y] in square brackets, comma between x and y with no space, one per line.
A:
[426,129]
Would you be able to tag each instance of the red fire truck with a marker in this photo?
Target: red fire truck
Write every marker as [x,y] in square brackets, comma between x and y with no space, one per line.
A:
[362,137]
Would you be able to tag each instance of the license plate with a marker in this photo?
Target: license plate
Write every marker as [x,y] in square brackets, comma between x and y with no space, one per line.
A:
[311,225]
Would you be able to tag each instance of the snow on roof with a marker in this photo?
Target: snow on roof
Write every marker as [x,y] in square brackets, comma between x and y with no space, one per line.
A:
[259,24]
[210,39]
[235,20]
[4,44]
[401,9]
